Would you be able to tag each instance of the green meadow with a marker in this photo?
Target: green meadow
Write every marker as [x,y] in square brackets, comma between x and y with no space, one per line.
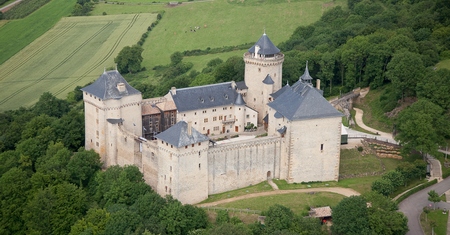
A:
[74,52]
[220,23]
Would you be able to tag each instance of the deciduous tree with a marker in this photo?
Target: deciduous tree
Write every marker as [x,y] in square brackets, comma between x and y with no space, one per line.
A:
[129,59]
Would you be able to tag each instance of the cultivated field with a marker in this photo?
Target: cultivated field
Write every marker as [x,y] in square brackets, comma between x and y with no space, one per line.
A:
[73,52]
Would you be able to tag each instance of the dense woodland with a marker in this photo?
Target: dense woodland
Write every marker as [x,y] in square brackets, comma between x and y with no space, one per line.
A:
[50,185]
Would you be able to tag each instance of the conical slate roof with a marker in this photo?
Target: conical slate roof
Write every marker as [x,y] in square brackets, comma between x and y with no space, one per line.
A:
[306,77]
[268,80]
[266,46]
[105,87]
[177,135]
[239,100]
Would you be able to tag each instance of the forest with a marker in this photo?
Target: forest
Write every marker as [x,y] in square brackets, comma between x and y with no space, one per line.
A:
[50,185]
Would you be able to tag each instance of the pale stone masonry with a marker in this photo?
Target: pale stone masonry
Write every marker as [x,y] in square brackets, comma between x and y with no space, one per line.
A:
[302,144]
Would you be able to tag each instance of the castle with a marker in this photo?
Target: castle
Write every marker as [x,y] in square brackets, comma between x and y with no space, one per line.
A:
[168,137]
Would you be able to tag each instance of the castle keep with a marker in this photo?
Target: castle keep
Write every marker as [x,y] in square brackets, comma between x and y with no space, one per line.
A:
[168,137]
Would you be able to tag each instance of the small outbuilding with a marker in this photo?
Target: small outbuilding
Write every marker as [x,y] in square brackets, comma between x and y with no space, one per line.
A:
[323,213]
[344,135]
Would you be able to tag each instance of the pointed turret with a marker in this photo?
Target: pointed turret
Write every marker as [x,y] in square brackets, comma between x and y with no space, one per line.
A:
[268,80]
[306,77]
[264,47]
[239,100]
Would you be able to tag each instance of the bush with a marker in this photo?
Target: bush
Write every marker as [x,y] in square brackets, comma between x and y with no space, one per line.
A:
[360,148]
[104,13]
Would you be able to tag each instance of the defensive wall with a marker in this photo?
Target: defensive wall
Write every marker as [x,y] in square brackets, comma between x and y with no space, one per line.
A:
[240,164]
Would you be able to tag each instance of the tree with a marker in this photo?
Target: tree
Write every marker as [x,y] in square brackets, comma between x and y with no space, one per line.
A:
[435,87]
[55,209]
[408,171]
[405,70]
[423,126]
[433,197]
[83,166]
[69,129]
[94,222]
[129,59]
[350,216]
[383,186]
[122,222]
[176,58]
[278,218]
[14,190]
[395,177]
[50,105]
[229,229]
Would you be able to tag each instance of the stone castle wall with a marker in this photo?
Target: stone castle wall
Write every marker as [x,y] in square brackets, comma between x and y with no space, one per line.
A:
[236,165]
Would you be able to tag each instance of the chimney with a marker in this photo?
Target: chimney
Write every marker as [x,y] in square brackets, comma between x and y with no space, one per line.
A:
[189,128]
[318,84]
[173,90]
[121,87]
[233,85]
[256,51]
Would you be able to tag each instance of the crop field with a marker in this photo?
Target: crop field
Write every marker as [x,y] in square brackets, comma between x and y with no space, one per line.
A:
[219,23]
[17,34]
[75,51]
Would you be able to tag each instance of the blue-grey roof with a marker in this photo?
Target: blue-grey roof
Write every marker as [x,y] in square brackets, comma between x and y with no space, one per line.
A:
[114,120]
[105,87]
[282,130]
[177,135]
[266,46]
[239,100]
[302,102]
[241,85]
[266,118]
[306,77]
[279,92]
[268,80]
[203,97]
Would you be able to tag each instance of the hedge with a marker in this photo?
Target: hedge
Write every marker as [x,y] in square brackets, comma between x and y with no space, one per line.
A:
[415,190]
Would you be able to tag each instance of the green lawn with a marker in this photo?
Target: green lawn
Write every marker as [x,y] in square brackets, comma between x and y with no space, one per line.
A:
[73,52]
[299,203]
[201,61]
[354,163]
[438,217]
[17,34]
[261,187]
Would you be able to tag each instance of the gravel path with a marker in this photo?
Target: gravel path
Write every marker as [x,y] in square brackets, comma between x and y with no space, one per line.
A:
[343,191]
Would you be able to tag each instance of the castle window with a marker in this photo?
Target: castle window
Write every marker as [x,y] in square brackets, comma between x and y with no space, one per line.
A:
[247,116]
[275,74]
[231,107]
[203,128]
[214,118]
[192,145]
[220,117]
[198,153]
[170,179]
[166,189]
[254,99]
[171,146]
[239,108]
[96,132]
[205,120]
[195,123]
[199,166]
[185,147]
[170,191]
[321,147]
[167,144]
[162,142]
[199,144]
[195,113]
[164,177]
[170,168]
[225,108]
[184,115]
[259,69]
[96,120]
[96,144]
[216,128]
[204,111]
[90,95]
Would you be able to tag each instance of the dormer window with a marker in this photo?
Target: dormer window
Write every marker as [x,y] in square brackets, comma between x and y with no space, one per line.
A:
[226,96]
[211,99]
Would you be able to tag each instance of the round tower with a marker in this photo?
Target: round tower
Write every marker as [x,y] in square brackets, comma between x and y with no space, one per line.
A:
[261,60]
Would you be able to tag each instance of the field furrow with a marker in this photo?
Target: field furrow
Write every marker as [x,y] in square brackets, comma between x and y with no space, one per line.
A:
[66,56]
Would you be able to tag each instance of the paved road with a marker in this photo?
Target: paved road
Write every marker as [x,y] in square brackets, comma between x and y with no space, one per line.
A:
[7,7]
[414,204]
[359,121]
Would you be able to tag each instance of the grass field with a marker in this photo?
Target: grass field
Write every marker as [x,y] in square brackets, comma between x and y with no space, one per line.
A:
[439,218]
[299,203]
[444,64]
[353,162]
[74,52]
[17,34]
[222,23]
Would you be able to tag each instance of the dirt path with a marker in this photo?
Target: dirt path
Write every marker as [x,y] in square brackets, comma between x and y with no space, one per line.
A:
[343,191]
[359,121]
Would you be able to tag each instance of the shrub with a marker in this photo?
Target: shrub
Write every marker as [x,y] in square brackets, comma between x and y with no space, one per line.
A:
[104,13]
[360,148]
